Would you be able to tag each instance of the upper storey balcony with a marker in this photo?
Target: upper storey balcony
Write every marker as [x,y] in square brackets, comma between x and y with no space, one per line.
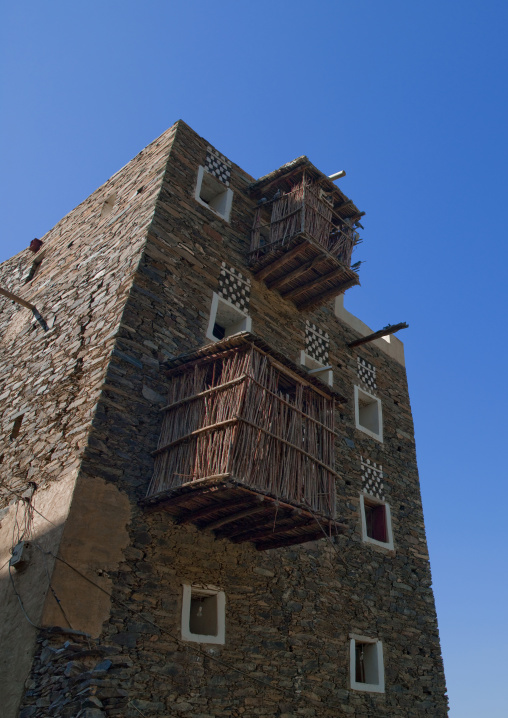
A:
[303,235]
[247,446]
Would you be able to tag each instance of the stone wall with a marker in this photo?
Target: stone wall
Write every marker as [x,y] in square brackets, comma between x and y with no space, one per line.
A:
[289,612]
[55,378]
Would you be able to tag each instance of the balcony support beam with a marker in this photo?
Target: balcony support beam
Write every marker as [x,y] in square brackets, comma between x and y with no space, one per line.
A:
[328,294]
[278,283]
[236,517]
[269,530]
[273,266]
[289,540]
[312,285]
[211,510]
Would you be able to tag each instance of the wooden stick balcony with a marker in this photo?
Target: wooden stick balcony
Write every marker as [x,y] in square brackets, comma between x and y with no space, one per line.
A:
[303,237]
[247,447]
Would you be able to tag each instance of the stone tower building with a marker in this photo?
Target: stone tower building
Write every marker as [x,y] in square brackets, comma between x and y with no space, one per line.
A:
[210,498]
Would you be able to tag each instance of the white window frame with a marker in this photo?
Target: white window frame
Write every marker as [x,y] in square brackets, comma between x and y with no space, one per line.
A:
[199,590]
[377,654]
[388,518]
[223,201]
[361,393]
[243,322]
[316,368]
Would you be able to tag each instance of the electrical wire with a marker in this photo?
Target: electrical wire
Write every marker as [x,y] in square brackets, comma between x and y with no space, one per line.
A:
[36,511]
[21,602]
[186,645]
[50,584]
[218,661]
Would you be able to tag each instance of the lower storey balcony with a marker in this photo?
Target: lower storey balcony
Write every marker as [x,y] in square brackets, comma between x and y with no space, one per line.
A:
[247,447]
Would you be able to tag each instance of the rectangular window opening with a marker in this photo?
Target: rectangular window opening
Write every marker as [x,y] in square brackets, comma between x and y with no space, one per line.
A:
[16,427]
[226,319]
[36,265]
[317,368]
[375,521]
[214,194]
[368,414]
[366,665]
[219,331]
[203,614]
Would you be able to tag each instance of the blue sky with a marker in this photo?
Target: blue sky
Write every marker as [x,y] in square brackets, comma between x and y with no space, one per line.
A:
[410,99]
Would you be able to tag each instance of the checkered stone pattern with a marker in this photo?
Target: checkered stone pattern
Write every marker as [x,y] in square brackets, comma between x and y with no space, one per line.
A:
[234,287]
[218,166]
[367,373]
[372,478]
[317,343]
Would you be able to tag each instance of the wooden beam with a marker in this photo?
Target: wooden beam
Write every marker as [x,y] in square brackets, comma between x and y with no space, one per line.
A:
[280,261]
[289,541]
[176,493]
[271,529]
[390,329]
[210,510]
[235,517]
[278,283]
[197,432]
[18,300]
[328,294]
[274,513]
[334,274]
[206,392]
[28,305]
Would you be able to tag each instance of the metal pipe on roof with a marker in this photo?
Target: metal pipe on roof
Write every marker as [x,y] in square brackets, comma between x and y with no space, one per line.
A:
[337,175]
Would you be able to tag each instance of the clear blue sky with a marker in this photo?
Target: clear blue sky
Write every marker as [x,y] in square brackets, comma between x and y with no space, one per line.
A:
[410,99]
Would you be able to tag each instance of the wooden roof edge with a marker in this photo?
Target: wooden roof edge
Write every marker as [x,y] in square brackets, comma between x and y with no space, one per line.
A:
[302,161]
[244,339]
[295,165]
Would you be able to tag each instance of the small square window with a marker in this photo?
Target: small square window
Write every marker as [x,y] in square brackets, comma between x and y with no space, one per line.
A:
[366,665]
[317,368]
[212,193]
[376,521]
[226,319]
[203,614]
[368,414]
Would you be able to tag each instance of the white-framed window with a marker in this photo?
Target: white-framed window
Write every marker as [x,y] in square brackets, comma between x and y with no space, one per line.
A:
[226,319]
[212,193]
[317,368]
[376,521]
[368,414]
[366,666]
[203,614]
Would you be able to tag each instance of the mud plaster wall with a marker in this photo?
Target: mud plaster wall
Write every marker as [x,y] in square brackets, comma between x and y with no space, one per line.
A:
[55,378]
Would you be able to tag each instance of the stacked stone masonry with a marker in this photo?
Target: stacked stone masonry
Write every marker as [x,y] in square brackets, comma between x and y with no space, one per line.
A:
[123,290]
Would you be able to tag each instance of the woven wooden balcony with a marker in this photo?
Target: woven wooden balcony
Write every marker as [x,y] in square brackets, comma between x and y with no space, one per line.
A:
[303,235]
[247,447]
